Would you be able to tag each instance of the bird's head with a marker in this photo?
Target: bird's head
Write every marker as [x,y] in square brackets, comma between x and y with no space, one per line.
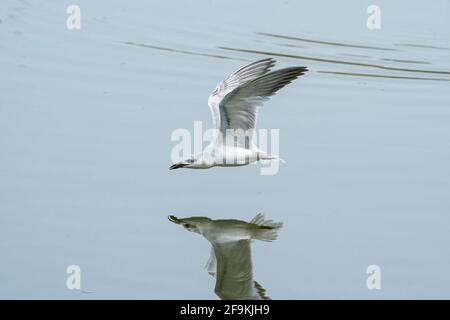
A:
[193,224]
[195,161]
[183,164]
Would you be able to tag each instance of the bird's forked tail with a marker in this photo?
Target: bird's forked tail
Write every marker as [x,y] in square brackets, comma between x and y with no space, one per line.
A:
[266,230]
[264,156]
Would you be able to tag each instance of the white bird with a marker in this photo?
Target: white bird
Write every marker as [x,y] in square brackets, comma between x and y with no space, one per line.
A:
[230,261]
[234,104]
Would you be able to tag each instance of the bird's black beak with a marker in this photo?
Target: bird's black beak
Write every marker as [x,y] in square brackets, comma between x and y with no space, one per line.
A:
[174,219]
[177,166]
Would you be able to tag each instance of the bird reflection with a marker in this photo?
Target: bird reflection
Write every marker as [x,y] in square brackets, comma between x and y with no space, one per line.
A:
[230,261]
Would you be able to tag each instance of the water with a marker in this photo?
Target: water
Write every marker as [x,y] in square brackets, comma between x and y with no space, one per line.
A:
[86,117]
[230,262]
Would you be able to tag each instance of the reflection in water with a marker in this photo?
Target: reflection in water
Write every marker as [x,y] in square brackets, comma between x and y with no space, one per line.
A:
[405,61]
[339,44]
[353,55]
[421,46]
[317,58]
[289,45]
[230,261]
[368,65]
[380,76]
[193,53]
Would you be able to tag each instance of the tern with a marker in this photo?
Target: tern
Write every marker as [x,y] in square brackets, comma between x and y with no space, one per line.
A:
[230,261]
[234,105]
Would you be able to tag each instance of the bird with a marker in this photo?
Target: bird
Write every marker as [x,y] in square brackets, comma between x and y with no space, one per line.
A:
[230,261]
[234,106]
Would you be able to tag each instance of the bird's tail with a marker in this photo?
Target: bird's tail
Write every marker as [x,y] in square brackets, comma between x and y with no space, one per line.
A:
[264,156]
[266,230]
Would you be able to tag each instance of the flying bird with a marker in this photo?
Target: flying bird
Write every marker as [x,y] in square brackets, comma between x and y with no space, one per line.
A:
[234,105]
[230,261]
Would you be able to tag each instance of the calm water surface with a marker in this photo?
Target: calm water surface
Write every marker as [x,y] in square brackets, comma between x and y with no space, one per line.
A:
[86,117]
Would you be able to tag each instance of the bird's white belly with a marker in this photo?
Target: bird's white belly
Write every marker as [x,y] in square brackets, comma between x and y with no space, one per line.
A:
[231,157]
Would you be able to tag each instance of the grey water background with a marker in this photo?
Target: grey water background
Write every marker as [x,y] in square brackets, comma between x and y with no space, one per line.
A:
[85,123]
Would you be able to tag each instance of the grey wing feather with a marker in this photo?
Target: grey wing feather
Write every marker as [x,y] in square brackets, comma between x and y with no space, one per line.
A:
[238,106]
[211,265]
[239,77]
[238,109]
[234,101]
[234,278]
[243,75]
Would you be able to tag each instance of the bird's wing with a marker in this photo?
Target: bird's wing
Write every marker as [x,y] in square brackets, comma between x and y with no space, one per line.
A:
[236,79]
[238,107]
[261,291]
[234,278]
[211,265]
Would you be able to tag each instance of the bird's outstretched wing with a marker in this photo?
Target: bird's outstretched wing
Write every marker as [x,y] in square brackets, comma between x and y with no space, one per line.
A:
[211,265]
[239,77]
[234,277]
[234,102]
